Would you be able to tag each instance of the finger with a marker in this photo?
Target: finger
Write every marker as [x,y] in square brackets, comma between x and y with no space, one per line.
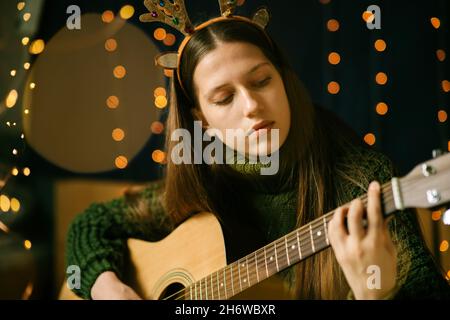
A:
[336,228]
[374,208]
[354,218]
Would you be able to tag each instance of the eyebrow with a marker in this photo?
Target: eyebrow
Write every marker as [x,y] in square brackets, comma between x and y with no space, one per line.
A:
[259,65]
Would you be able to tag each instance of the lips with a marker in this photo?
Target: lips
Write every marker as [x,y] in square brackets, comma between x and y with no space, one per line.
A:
[262,125]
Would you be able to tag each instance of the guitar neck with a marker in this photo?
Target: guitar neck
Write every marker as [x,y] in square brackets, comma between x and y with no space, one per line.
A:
[272,258]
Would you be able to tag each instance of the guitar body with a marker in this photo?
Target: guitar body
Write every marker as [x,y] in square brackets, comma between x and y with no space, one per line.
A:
[191,252]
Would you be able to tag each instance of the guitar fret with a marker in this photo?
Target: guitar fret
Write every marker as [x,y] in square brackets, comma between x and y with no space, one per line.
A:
[256,267]
[218,287]
[265,261]
[248,277]
[298,246]
[212,288]
[276,256]
[239,270]
[225,283]
[232,279]
[287,252]
[326,231]
[312,240]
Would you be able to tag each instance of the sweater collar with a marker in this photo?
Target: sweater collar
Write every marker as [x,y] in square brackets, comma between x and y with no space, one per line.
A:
[282,180]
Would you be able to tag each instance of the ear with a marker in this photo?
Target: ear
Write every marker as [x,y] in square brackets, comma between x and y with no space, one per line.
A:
[198,115]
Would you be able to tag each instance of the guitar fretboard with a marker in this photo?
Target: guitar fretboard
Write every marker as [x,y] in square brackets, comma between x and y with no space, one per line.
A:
[271,259]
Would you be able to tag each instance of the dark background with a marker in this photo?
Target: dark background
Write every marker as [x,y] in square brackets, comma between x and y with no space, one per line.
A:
[407,133]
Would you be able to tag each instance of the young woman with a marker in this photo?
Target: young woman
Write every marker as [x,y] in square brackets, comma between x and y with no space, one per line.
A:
[234,77]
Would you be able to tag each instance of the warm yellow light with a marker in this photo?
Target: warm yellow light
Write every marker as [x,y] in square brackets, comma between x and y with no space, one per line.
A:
[27,244]
[380,45]
[119,72]
[26,16]
[368,16]
[160,91]
[26,111]
[126,12]
[32,85]
[5,203]
[118,134]
[25,40]
[444,246]
[436,215]
[334,58]
[159,34]
[382,108]
[435,22]
[121,162]
[15,205]
[20,5]
[446,85]
[381,78]
[26,171]
[168,73]
[169,40]
[442,116]
[37,46]
[110,45]
[334,87]
[440,54]
[12,73]
[107,16]
[370,139]
[333,25]
[161,102]
[15,171]
[26,65]
[158,156]
[157,127]
[11,98]
[112,102]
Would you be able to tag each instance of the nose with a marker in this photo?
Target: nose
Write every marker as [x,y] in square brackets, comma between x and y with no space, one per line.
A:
[251,103]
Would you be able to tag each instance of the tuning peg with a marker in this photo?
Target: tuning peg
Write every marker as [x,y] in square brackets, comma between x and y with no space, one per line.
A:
[436,153]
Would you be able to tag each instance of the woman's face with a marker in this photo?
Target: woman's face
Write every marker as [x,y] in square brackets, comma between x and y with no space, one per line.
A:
[237,87]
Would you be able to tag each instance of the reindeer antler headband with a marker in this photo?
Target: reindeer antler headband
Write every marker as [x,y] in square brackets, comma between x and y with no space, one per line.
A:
[174,14]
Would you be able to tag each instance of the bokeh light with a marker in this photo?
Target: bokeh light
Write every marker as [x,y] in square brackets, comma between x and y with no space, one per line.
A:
[370,139]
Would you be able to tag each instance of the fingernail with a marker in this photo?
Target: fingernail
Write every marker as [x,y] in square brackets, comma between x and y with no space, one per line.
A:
[374,185]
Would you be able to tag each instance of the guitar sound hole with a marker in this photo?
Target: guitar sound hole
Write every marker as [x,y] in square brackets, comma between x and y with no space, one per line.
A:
[171,292]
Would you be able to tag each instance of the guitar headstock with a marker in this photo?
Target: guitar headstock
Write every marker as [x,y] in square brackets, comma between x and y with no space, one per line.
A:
[428,184]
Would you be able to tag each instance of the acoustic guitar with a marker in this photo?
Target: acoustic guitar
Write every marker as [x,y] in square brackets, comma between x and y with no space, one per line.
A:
[190,263]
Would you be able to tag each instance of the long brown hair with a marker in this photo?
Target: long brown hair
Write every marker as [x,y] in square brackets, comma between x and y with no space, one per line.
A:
[309,157]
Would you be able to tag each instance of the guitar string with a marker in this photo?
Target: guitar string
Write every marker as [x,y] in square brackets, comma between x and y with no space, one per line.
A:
[250,259]
[316,222]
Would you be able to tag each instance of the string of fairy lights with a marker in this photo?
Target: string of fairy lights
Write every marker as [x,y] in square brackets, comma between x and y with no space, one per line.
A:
[11,204]
[382,108]
[34,47]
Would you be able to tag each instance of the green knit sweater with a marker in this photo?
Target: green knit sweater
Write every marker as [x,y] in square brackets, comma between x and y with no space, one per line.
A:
[96,240]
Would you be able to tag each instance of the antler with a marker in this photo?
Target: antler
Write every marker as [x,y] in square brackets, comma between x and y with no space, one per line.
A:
[227,7]
[171,12]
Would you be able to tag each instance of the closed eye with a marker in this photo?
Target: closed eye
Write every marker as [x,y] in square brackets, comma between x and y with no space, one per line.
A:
[225,101]
[263,82]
